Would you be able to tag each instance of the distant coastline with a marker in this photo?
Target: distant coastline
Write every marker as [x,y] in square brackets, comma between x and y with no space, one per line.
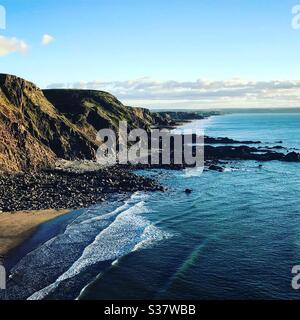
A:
[220,111]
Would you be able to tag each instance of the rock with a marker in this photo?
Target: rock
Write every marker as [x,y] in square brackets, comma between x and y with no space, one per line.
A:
[216,168]
[65,189]
[292,157]
[266,149]
[247,153]
[211,140]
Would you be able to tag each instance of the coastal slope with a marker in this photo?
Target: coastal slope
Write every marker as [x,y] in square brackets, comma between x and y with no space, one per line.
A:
[91,110]
[32,132]
[38,127]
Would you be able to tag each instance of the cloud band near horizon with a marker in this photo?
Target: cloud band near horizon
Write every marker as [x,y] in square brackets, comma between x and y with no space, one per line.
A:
[149,93]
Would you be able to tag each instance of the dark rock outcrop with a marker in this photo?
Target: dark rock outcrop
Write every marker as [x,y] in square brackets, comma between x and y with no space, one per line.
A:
[211,140]
[214,167]
[239,153]
[292,157]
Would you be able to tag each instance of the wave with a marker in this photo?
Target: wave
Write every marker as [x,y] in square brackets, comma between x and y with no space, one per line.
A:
[230,169]
[128,231]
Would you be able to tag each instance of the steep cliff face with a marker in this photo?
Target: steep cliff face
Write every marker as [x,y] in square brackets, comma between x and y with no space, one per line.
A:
[19,148]
[92,110]
[36,126]
[32,132]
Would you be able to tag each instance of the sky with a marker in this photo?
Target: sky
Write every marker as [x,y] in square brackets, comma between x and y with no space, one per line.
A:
[158,53]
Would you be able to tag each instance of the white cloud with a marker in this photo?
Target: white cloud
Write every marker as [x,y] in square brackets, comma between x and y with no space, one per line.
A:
[200,93]
[10,45]
[46,39]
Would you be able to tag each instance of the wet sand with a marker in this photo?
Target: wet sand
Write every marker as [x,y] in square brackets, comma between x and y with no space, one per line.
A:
[16,227]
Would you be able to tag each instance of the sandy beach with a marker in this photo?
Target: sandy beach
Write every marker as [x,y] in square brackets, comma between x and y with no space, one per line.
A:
[15,227]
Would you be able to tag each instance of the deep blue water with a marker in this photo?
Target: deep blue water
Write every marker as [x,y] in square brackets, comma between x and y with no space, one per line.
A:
[237,236]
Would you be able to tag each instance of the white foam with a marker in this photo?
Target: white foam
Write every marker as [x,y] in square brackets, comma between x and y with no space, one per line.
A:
[150,236]
[114,263]
[230,169]
[130,231]
[192,172]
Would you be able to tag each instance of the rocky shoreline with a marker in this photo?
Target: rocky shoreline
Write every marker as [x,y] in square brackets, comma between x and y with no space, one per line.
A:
[58,189]
[82,184]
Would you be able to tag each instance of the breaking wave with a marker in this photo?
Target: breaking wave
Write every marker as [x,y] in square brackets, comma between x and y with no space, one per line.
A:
[96,238]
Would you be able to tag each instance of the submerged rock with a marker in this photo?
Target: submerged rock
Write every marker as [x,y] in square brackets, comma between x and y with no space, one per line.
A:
[247,153]
[292,157]
[211,140]
[214,167]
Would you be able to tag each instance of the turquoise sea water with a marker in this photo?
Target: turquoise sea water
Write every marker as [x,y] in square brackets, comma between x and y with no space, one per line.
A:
[237,236]
[268,128]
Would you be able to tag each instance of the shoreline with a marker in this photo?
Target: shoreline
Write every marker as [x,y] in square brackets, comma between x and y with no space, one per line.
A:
[17,227]
[68,188]
[47,230]
[47,224]
[95,185]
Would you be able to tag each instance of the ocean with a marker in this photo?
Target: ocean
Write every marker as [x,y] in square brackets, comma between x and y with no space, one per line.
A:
[236,236]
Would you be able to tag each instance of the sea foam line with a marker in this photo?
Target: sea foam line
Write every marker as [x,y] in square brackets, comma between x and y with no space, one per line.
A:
[128,232]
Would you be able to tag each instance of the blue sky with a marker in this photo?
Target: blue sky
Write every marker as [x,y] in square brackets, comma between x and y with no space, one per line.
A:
[192,53]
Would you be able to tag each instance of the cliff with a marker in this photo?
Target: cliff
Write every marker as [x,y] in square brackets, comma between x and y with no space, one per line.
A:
[36,126]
